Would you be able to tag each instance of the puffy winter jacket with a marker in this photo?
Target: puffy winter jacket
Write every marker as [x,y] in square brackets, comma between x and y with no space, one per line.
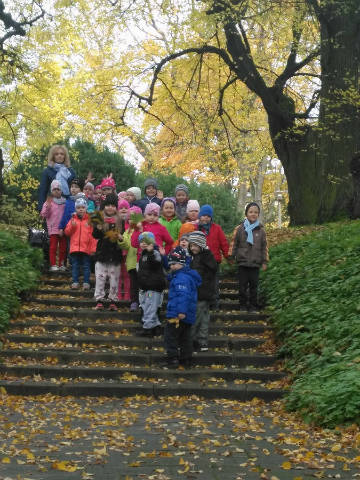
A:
[173,226]
[106,250]
[53,214]
[205,264]
[216,241]
[183,294]
[160,233]
[150,273]
[81,238]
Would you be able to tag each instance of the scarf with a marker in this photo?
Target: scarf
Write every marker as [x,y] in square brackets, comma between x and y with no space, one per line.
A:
[205,227]
[59,201]
[62,175]
[249,227]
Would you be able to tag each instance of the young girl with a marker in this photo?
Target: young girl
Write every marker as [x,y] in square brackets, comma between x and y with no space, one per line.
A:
[108,253]
[182,198]
[97,197]
[192,212]
[124,280]
[169,219]
[82,243]
[151,224]
[152,282]
[89,193]
[249,248]
[108,186]
[52,211]
[131,259]
[133,195]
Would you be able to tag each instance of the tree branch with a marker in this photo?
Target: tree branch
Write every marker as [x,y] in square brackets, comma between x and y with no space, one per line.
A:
[312,105]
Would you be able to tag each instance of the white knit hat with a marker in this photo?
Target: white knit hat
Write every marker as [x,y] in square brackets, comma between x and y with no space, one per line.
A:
[136,191]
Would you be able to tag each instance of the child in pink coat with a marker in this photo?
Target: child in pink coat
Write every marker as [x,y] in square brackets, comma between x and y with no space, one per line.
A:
[151,224]
[124,279]
[52,210]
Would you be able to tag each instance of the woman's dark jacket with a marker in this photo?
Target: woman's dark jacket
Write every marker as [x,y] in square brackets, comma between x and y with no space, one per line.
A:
[47,176]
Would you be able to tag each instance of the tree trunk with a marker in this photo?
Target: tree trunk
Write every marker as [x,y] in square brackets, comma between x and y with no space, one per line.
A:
[1,175]
[317,159]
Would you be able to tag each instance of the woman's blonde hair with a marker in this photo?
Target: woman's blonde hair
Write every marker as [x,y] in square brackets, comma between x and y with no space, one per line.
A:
[53,150]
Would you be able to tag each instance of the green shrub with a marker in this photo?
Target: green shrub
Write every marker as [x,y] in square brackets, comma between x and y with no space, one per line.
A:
[19,271]
[313,292]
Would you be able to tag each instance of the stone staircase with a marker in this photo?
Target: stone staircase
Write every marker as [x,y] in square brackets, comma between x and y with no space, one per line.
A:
[59,344]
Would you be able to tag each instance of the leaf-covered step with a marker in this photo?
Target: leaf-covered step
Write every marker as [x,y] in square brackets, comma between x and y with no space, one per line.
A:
[130,374]
[71,293]
[90,327]
[237,392]
[139,357]
[69,312]
[231,343]
[90,303]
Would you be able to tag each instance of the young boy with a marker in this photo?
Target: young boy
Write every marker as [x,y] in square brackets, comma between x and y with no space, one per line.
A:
[216,242]
[181,309]
[182,198]
[150,194]
[249,249]
[204,263]
[151,281]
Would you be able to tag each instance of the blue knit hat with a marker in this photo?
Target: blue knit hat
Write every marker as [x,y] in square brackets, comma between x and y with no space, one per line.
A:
[147,237]
[206,210]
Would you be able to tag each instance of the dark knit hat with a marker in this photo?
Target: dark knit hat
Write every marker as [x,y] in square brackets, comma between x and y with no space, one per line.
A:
[177,255]
[150,182]
[110,199]
[183,188]
[206,210]
[251,204]
[199,238]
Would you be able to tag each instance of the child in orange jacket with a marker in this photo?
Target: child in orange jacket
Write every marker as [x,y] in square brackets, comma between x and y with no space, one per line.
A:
[82,243]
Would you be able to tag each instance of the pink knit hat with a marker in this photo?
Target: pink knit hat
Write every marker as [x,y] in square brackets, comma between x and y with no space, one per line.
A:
[152,208]
[122,195]
[108,182]
[123,204]
[193,205]
[135,209]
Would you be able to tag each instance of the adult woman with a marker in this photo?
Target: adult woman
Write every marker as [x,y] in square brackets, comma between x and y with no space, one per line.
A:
[58,169]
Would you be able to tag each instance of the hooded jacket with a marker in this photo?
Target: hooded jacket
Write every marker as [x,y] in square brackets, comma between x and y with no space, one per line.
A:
[183,294]
[81,238]
[216,241]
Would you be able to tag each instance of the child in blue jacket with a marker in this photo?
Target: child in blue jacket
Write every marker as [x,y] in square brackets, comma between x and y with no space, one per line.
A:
[181,309]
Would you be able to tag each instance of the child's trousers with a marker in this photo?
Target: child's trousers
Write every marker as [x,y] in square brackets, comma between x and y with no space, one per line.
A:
[56,240]
[124,283]
[134,287]
[178,339]
[80,259]
[200,329]
[248,277]
[150,301]
[102,272]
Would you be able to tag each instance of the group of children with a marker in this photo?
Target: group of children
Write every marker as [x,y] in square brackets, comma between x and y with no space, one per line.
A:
[142,246]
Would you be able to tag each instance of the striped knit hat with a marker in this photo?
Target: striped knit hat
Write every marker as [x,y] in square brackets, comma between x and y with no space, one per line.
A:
[198,238]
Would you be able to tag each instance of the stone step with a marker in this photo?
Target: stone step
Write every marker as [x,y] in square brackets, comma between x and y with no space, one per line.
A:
[236,392]
[193,374]
[244,328]
[230,343]
[140,357]
[87,303]
[90,293]
[68,312]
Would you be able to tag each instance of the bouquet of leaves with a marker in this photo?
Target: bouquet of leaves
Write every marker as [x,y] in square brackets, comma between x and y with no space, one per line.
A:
[96,218]
[112,235]
[134,219]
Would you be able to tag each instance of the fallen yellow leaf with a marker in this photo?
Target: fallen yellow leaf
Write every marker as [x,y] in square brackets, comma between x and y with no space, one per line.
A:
[6,460]
[64,466]
[286,466]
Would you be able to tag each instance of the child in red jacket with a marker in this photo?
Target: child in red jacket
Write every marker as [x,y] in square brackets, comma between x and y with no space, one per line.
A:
[216,241]
[82,243]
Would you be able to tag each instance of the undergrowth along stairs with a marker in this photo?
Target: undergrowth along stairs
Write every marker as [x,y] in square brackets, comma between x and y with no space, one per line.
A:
[59,344]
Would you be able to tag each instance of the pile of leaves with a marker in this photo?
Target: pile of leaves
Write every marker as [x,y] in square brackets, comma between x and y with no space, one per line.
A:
[19,272]
[312,288]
